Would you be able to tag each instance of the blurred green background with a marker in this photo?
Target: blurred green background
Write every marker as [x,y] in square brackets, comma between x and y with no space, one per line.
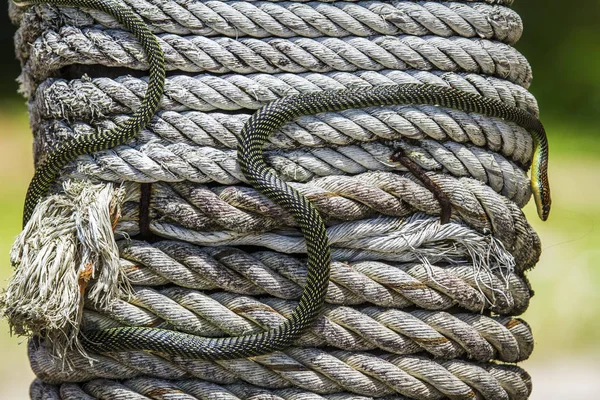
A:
[562,42]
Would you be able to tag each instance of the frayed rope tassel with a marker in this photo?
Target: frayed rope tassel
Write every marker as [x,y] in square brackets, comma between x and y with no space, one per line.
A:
[67,245]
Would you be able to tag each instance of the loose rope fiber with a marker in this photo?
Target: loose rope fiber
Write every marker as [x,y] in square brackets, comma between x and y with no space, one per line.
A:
[165,232]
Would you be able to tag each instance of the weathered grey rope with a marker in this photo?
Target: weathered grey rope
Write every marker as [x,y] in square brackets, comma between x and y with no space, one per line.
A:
[193,389]
[344,198]
[90,98]
[312,19]
[311,369]
[438,333]
[156,162]
[181,162]
[431,287]
[112,48]
[203,217]
[386,238]
[396,324]
[218,130]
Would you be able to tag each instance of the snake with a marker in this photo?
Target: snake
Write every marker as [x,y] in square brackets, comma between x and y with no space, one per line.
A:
[255,133]
[162,340]
[279,112]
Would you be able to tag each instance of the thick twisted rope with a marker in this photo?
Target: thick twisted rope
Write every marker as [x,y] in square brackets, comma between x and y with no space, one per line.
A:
[358,329]
[195,209]
[180,162]
[320,372]
[330,159]
[191,389]
[105,96]
[431,287]
[218,130]
[294,55]
[244,210]
[312,19]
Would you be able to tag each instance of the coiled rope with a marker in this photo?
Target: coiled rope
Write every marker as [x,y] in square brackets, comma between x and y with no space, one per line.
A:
[405,298]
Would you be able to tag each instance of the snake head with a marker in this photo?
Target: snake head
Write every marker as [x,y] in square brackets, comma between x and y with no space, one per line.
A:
[541,195]
[543,209]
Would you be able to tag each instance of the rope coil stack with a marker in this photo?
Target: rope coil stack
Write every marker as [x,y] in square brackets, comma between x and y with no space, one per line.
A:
[415,309]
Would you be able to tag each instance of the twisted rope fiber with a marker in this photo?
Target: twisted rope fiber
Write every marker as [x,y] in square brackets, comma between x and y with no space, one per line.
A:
[295,55]
[419,123]
[155,162]
[359,329]
[262,19]
[105,96]
[440,334]
[344,289]
[356,373]
[432,287]
[218,215]
[391,239]
[288,19]
[193,389]
[243,210]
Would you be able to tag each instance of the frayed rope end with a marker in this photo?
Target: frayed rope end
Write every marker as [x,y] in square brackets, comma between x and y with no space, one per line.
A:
[66,248]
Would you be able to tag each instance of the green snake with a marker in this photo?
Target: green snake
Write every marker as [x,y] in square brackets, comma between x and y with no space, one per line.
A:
[254,134]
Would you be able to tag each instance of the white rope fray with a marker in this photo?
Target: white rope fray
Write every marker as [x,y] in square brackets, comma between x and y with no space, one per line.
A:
[67,243]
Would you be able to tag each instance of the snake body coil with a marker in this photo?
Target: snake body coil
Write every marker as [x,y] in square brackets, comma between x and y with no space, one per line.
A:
[165,341]
[255,133]
[274,115]
[250,157]
[46,173]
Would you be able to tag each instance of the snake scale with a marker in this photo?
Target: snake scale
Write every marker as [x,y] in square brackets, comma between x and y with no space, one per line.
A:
[250,157]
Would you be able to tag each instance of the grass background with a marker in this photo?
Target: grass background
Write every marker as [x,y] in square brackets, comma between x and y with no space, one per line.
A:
[563,47]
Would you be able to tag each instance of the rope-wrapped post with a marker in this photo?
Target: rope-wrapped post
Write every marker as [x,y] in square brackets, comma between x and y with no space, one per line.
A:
[165,231]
